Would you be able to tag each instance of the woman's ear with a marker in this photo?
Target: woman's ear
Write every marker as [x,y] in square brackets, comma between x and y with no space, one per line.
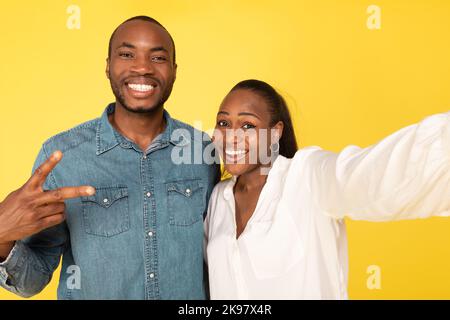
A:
[277,131]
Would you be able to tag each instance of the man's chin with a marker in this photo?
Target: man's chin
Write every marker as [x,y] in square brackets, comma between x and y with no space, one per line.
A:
[140,108]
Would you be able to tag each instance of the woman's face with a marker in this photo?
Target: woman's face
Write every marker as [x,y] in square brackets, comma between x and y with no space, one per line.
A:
[242,133]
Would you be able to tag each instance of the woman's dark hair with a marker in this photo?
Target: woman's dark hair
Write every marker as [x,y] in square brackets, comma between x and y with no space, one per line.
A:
[278,112]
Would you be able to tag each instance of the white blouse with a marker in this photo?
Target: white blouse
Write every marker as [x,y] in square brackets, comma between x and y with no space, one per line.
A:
[294,246]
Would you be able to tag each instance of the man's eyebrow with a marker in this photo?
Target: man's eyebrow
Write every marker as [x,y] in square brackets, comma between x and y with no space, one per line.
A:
[223,112]
[160,48]
[132,46]
[127,45]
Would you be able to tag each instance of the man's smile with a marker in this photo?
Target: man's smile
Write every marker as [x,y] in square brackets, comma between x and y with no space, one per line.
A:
[141,88]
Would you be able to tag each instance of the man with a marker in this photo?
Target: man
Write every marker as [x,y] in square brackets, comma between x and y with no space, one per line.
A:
[139,234]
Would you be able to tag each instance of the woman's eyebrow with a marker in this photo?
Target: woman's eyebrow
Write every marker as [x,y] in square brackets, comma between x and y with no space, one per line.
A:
[240,114]
[248,114]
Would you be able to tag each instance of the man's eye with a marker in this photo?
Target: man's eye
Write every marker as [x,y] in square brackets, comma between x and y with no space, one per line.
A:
[248,126]
[159,59]
[222,123]
[126,55]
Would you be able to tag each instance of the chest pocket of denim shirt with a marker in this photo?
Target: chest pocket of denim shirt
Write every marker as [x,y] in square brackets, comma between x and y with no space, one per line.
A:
[185,202]
[106,213]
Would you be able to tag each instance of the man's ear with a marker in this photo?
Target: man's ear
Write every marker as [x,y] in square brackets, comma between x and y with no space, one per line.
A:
[107,68]
[175,72]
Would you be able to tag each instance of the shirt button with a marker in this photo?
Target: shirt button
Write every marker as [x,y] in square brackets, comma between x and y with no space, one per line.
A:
[188,191]
[152,275]
[149,194]
[105,200]
[150,233]
[145,157]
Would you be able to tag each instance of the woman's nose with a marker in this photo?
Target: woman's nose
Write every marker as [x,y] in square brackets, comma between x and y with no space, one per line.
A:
[235,136]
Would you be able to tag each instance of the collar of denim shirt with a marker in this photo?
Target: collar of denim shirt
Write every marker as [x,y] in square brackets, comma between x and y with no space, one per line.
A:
[108,138]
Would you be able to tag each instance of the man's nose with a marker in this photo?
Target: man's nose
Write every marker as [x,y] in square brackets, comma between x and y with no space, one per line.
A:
[143,65]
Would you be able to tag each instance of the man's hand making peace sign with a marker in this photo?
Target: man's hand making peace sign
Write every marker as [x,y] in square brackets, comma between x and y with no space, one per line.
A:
[31,209]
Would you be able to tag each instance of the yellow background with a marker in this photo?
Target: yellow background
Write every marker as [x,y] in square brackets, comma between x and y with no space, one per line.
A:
[345,84]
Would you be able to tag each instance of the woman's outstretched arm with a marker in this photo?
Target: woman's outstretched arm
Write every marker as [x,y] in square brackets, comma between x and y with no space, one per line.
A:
[404,176]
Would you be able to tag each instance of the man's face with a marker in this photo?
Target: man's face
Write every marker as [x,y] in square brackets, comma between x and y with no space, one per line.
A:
[140,68]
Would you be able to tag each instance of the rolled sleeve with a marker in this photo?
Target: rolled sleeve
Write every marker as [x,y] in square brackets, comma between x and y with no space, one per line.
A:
[10,268]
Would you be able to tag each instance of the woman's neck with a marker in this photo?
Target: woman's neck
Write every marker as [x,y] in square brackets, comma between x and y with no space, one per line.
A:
[251,180]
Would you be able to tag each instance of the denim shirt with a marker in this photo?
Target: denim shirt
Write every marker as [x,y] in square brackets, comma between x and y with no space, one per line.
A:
[140,236]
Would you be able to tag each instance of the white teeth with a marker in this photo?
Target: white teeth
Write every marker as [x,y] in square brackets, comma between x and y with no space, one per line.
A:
[235,152]
[140,87]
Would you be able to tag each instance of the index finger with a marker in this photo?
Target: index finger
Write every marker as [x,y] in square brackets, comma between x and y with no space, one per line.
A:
[64,193]
[41,173]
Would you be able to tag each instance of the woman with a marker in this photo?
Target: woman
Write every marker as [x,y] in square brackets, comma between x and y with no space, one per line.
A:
[282,235]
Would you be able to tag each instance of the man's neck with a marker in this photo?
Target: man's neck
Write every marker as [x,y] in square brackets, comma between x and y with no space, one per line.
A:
[141,128]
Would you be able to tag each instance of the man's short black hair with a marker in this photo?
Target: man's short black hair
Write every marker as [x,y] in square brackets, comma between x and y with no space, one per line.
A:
[142,18]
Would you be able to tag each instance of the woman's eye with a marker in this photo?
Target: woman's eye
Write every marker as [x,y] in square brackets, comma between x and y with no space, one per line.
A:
[126,55]
[222,123]
[248,126]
